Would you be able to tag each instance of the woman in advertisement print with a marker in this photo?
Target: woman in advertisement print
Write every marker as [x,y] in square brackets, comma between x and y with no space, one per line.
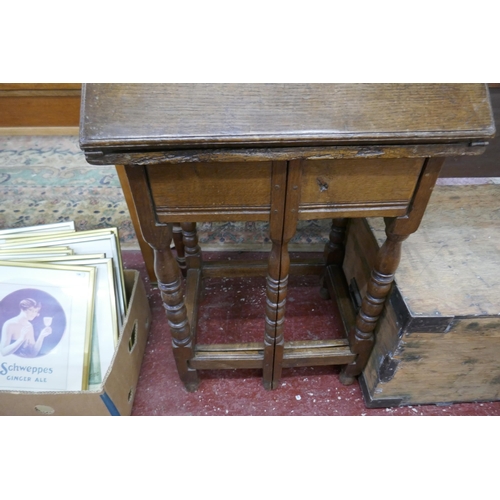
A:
[18,336]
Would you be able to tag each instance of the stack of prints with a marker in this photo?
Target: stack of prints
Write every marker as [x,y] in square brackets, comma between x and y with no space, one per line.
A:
[62,304]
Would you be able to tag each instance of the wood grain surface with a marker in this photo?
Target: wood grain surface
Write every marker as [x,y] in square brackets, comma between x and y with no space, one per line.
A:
[201,115]
[438,339]
[383,186]
[199,191]
[423,368]
[450,266]
[39,105]
[486,165]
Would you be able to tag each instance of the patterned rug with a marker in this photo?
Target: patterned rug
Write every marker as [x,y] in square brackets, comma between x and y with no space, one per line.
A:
[45,179]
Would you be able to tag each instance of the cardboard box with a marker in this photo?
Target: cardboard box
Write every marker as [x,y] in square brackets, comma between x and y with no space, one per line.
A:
[118,390]
[438,339]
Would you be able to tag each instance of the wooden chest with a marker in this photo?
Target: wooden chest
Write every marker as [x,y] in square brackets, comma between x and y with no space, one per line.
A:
[438,340]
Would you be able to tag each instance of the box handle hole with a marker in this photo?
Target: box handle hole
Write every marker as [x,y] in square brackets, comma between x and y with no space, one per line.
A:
[133,338]
[46,410]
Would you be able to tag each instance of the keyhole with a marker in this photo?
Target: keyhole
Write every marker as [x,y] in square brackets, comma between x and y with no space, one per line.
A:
[323,185]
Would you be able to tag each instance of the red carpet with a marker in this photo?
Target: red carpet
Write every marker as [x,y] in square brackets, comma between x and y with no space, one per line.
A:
[232,309]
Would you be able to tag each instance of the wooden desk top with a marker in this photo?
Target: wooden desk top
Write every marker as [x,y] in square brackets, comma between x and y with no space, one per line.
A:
[169,116]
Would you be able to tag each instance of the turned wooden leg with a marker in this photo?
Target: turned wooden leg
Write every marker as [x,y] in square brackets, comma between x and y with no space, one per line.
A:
[282,227]
[276,290]
[334,250]
[168,275]
[179,247]
[361,336]
[191,248]
[170,285]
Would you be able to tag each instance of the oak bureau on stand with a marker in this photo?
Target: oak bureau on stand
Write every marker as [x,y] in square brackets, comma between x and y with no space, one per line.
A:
[280,153]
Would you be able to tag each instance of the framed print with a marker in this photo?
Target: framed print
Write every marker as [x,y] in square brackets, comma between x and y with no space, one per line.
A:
[16,236]
[85,242]
[35,253]
[46,315]
[105,326]
[40,229]
[62,259]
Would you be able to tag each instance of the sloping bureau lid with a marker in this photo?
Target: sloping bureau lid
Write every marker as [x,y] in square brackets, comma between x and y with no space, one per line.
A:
[169,116]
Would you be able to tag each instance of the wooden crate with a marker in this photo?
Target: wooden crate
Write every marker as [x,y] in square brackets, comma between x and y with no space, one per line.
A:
[439,338]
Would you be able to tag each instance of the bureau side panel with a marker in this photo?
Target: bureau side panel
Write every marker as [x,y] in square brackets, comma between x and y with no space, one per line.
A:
[211,191]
